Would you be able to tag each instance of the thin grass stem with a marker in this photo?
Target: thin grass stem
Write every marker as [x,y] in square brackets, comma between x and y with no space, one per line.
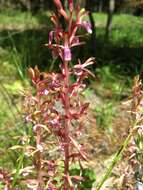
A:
[115,159]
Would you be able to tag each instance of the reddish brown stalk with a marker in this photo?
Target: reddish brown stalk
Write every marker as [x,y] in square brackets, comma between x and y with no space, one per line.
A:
[38,163]
[67,126]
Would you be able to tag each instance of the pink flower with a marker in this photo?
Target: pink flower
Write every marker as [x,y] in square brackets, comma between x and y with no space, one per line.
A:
[51,187]
[87,27]
[51,36]
[67,54]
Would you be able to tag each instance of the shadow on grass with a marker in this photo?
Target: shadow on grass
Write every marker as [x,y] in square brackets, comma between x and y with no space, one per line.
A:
[28,45]
[122,57]
[125,59]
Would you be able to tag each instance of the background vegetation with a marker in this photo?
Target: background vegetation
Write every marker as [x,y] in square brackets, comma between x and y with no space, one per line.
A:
[117,47]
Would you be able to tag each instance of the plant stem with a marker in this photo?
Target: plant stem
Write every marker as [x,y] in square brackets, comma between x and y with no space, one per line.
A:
[67,125]
[39,164]
[116,159]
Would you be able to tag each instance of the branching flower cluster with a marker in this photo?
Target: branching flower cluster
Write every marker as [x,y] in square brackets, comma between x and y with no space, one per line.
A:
[56,109]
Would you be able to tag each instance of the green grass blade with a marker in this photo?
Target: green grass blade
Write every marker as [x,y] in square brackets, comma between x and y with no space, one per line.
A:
[18,169]
[115,160]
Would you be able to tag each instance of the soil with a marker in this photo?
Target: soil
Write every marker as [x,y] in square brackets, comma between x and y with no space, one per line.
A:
[102,144]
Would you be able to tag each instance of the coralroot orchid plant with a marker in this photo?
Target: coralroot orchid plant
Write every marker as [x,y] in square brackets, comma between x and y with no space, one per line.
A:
[56,109]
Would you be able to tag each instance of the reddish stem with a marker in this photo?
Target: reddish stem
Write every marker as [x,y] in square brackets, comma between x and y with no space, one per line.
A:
[67,126]
[38,163]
